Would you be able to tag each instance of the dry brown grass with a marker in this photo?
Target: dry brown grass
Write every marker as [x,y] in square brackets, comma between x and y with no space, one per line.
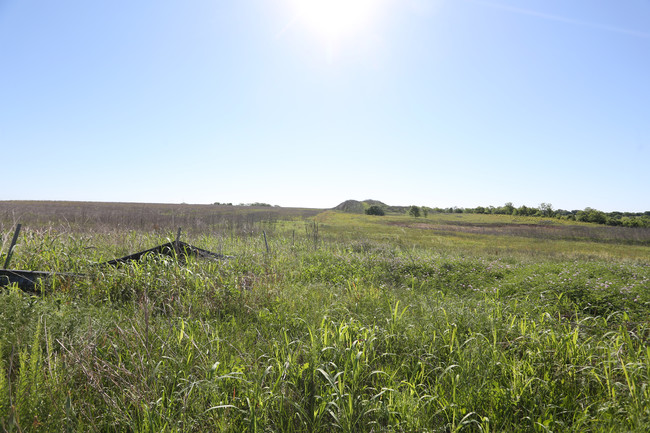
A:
[99,216]
[623,235]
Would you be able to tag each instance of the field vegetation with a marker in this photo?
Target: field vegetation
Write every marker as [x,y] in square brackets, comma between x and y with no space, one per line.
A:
[453,322]
[589,215]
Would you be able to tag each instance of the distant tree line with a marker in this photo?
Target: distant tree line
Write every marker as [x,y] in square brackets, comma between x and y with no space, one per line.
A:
[256,204]
[414,211]
[589,215]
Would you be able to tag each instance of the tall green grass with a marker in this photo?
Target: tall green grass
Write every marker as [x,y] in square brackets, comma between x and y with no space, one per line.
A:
[325,333]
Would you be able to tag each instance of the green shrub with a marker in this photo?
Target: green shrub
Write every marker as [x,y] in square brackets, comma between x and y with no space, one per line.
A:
[414,211]
[375,210]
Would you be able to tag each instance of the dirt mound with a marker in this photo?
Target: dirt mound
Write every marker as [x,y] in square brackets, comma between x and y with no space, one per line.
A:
[355,206]
[375,203]
[350,206]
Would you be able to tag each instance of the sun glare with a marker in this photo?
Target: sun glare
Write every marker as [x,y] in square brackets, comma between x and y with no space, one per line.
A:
[334,19]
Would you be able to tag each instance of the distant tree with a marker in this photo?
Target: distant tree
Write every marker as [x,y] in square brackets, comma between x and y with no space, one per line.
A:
[563,213]
[414,211]
[425,211]
[613,221]
[546,209]
[375,210]
[590,215]
[501,210]
[524,210]
[631,222]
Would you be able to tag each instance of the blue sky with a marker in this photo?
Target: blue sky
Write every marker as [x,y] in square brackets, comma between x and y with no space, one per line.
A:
[438,103]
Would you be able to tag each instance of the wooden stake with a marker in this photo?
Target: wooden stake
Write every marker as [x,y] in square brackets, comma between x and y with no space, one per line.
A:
[13,244]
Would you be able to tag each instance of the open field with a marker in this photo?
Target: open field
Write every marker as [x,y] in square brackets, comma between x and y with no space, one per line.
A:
[352,323]
[97,216]
[524,237]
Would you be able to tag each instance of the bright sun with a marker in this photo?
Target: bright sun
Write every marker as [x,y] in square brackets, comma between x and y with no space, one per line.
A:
[334,19]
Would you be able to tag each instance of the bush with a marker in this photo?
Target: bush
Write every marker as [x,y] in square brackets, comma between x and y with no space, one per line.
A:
[414,211]
[375,210]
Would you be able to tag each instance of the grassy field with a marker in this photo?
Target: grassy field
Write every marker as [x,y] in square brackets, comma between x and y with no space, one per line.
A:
[351,323]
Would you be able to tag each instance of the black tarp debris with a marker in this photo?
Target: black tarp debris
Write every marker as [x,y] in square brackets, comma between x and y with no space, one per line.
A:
[29,280]
[177,249]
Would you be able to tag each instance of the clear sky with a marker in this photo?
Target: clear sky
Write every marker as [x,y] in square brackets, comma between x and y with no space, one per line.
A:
[311,102]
